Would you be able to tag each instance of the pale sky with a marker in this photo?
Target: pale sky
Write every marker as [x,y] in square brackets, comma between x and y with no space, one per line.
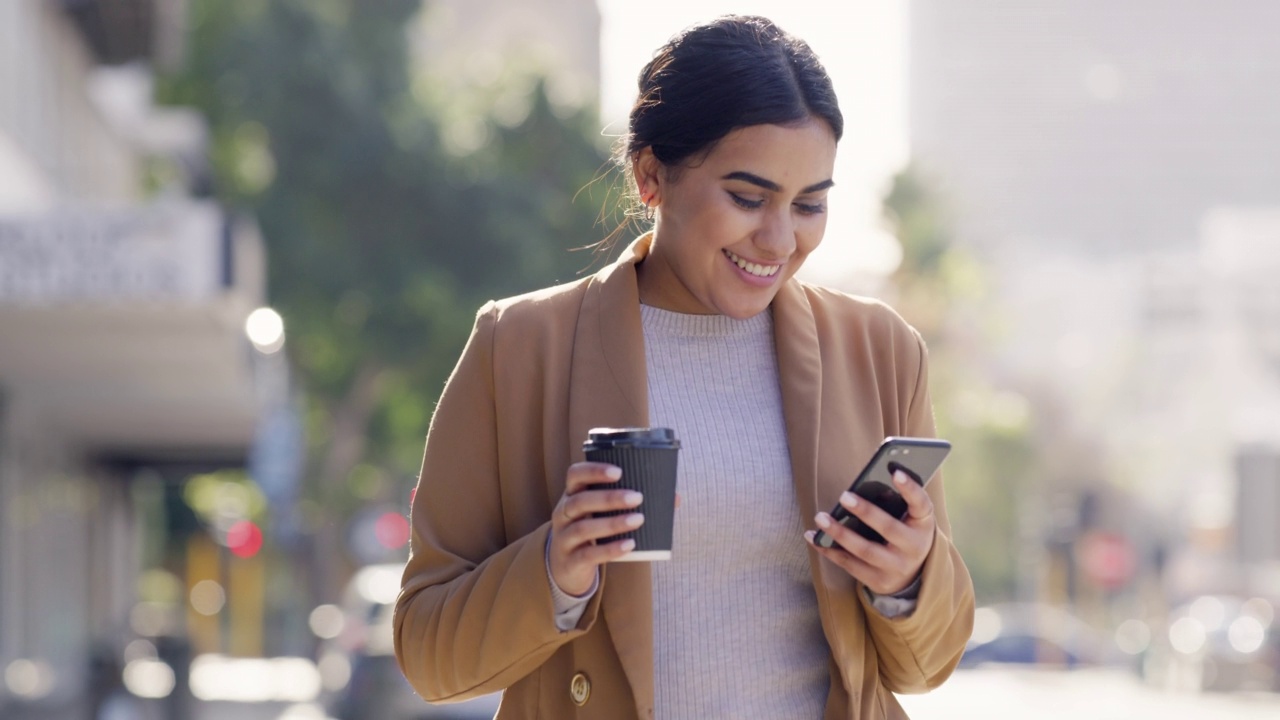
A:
[862,44]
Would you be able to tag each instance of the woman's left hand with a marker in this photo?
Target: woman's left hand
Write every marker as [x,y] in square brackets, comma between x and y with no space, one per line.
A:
[883,569]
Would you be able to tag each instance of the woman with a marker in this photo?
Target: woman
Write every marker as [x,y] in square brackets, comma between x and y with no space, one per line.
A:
[779,392]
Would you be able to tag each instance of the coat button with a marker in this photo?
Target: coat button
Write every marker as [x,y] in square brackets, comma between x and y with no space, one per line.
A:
[580,689]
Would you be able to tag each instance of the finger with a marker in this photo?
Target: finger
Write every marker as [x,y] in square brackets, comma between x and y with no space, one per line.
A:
[589,530]
[919,504]
[589,502]
[580,475]
[889,527]
[880,580]
[560,516]
[601,554]
[852,543]
[859,569]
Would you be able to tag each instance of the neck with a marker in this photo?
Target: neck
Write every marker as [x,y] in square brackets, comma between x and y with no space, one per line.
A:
[660,288]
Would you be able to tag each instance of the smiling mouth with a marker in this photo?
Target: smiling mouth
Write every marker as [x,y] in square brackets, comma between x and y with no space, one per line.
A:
[756,269]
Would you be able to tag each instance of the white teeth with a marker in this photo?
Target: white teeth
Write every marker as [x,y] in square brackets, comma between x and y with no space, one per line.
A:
[753,268]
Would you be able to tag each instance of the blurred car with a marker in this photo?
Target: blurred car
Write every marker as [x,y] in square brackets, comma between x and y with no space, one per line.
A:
[357,662]
[1032,634]
[1218,643]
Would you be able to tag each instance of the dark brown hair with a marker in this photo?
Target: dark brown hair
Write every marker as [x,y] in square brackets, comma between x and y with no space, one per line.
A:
[733,72]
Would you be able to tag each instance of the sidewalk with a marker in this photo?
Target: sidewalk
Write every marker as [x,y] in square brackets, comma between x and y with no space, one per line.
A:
[221,710]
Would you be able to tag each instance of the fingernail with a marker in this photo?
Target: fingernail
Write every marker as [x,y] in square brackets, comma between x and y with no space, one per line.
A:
[628,545]
[822,520]
[613,473]
[632,498]
[848,499]
[809,534]
[635,520]
[900,478]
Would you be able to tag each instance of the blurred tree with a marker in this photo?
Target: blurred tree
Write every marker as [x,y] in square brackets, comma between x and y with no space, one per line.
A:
[992,476]
[383,238]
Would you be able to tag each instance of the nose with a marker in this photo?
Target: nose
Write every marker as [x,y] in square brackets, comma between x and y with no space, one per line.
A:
[776,236]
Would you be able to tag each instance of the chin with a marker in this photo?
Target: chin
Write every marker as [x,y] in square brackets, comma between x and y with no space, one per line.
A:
[744,311]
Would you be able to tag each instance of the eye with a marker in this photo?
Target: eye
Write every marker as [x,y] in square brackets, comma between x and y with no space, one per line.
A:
[811,209]
[745,203]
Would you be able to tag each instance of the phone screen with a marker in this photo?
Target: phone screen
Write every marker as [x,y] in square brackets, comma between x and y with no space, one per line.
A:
[919,458]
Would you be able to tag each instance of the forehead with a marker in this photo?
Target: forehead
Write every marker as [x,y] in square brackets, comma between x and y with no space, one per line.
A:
[793,156]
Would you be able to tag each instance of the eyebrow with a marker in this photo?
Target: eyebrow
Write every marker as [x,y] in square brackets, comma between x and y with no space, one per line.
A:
[772,186]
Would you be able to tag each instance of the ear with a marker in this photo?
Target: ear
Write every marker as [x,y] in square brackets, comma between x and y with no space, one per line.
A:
[646,169]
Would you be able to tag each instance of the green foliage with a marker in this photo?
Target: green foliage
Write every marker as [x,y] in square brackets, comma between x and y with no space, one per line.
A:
[921,227]
[993,468]
[988,479]
[381,243]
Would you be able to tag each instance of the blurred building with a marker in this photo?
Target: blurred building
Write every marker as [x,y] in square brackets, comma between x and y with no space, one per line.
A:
[1091,125]
[123,354]
[1115,166]
[477,43]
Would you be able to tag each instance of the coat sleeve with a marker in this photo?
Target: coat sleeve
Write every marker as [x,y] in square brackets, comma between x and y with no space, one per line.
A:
[917,652]
[475,611]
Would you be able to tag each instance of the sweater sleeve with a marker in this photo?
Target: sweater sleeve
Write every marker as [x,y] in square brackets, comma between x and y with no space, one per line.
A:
[918,651]
[900,603]
[569,608]
[475,611]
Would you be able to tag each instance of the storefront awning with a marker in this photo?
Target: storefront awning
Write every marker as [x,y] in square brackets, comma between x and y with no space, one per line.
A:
[126,327]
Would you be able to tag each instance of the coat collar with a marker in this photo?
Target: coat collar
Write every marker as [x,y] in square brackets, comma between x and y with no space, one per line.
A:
[609,387]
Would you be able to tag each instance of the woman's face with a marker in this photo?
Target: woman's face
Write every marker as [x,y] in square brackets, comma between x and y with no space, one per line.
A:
[733,227]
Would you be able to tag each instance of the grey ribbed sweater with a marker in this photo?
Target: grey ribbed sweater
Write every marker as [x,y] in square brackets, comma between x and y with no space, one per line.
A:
[736,628]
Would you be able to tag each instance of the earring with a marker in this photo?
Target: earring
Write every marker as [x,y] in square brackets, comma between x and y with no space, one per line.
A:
[648,212]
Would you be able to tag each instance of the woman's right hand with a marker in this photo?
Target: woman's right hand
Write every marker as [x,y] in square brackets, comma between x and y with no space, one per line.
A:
[575,556]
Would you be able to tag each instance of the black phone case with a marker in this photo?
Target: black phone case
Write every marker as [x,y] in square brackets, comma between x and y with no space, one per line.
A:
[920,458]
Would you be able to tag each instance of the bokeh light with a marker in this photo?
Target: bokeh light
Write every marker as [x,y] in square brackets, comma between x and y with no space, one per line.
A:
[265,329]
[392,530]
[326,621]
[149,678]
[208,597]
[244,539]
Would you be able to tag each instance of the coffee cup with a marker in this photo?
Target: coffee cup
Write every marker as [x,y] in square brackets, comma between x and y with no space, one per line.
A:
[647,457]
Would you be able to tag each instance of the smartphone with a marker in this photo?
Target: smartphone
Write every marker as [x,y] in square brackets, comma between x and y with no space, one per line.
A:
[919,458]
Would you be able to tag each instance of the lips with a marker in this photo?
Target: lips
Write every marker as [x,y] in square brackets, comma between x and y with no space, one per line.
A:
[761,271]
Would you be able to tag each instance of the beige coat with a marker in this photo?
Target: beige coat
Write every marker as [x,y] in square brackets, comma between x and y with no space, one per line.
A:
[475,614]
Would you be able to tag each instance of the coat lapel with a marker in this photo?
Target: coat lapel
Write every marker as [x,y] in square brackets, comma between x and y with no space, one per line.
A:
[795,332]
[800,371]
[609,388]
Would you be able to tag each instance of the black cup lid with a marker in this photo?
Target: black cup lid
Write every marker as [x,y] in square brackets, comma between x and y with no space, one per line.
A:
[631,437]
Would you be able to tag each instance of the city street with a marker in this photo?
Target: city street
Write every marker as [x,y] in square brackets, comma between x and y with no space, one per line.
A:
[223,710]
[245,247]
[1009,693]
[987,693]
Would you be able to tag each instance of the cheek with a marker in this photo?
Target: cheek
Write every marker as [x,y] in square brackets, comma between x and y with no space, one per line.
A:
[717,227]
[698,216]
[810,236]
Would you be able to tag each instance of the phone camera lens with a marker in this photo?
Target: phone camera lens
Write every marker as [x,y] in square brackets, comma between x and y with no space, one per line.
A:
[906,451]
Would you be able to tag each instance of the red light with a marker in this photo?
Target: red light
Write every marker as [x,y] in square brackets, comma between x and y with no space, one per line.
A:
[392,530]
[244,539]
